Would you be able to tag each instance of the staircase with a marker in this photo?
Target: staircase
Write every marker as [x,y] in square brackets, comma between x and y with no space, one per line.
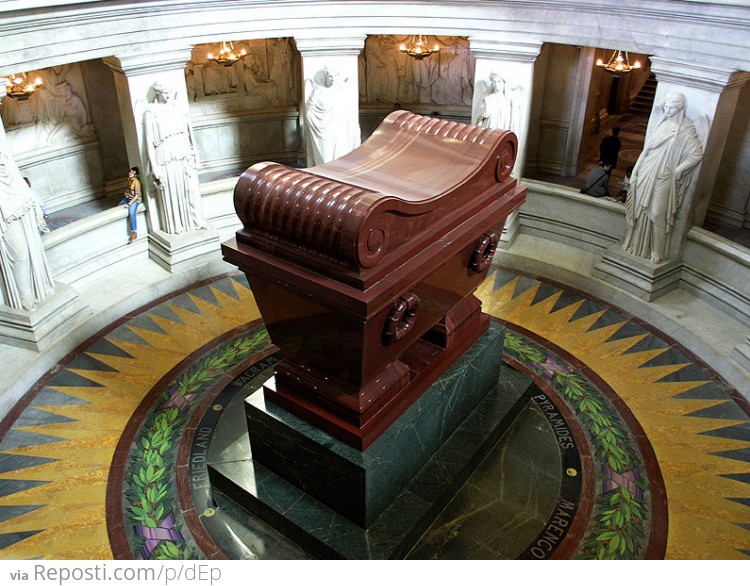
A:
[644,101]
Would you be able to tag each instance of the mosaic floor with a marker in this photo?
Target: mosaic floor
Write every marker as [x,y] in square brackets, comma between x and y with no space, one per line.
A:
[630,448]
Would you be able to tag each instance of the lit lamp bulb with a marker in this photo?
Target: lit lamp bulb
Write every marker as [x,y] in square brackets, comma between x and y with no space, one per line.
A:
[600,62]
[418,48]
[637,65]
[210,55]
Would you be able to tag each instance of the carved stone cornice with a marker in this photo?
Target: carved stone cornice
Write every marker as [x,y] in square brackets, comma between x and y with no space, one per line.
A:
[507,50]
[149,63]
[327,46]
[695,75]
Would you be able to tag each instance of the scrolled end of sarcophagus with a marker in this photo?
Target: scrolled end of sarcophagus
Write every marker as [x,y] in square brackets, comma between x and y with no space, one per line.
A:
[300,215]
[362,214]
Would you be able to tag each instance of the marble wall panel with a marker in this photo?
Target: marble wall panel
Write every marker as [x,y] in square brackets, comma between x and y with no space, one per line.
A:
[229,143]
[582,221]
[553,140]
[67,175]
[718,271]
[80,252]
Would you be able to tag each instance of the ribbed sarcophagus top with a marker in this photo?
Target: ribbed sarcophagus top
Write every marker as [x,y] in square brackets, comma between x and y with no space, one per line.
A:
[359,216]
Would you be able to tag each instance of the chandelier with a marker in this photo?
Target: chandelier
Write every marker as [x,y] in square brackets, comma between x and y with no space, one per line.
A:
[19,87]
[618,63]
[227,55]
[419,48]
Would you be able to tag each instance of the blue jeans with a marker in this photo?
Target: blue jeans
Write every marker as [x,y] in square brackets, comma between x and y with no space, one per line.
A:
[131,214]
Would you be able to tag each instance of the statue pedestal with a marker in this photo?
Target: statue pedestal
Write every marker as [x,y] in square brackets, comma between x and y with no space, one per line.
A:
[637,275]
[176,252]
[46,323]
[339,502]
[510,230]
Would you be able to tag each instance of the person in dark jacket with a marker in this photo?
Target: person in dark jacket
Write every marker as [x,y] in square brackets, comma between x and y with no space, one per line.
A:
[598,180]
[609,148]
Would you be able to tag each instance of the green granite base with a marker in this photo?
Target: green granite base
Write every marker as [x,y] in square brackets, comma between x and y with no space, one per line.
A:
[360,485]
[396,487]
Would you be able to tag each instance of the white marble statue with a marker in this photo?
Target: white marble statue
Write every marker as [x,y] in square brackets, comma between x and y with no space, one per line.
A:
[281,70]
[499,106]
[26,277]
[10,113]
[74,117]
[454,85]
[425,72]
[330,125]
[385,66]
[260,91]
[173,162]
[194,81]
[217,79]
[661,178]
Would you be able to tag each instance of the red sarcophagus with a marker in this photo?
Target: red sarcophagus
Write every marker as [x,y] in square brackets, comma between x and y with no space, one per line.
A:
[365,268]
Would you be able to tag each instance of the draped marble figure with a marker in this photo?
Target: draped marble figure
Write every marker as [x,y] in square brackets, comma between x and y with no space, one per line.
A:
[173,162]
[661,178]
[331,133]
[26,277]
[498,108]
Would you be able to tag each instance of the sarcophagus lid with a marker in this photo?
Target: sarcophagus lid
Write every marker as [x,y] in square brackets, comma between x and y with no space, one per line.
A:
[360,216]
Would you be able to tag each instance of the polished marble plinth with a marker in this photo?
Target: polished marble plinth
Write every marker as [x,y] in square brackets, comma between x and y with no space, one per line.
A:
[47,323]
[398,486]
[177,252]
[639,276]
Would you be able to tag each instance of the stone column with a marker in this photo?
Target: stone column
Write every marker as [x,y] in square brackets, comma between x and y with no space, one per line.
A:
[711,97]
[3,94]
[178,237]
[514,63]
[327,138]
[730,200]
[51,318]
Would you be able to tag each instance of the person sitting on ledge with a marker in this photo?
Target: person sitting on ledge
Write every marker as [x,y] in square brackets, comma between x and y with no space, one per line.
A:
[598,180]
[131,198]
